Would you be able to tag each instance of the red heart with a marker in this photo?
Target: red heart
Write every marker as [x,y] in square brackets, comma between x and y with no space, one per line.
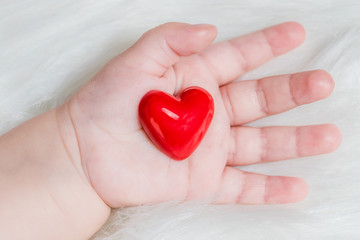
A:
[176,125]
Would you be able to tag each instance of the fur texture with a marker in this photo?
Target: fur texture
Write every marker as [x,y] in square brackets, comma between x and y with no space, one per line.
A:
[51,48]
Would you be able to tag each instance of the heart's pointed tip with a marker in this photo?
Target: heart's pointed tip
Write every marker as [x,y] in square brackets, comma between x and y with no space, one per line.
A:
[179,159]
[180,155]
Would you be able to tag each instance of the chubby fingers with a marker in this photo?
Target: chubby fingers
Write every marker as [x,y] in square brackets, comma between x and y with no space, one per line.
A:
[256,145]
[251,188]
[160,47]
[229,59]
[247,101]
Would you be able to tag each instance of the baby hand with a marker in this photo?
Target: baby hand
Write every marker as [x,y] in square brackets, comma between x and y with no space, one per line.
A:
[126,169]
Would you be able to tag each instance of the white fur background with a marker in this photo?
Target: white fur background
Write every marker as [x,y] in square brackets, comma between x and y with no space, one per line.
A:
[50,48]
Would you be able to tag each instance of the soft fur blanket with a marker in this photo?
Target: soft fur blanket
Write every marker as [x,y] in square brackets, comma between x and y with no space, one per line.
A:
[50,48]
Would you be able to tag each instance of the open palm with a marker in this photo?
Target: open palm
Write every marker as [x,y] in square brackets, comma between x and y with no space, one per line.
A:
[125,168]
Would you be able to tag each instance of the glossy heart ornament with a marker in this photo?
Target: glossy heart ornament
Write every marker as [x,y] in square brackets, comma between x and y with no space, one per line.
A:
[176,125]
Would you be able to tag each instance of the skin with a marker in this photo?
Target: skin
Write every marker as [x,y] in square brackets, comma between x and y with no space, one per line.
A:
[104,156]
